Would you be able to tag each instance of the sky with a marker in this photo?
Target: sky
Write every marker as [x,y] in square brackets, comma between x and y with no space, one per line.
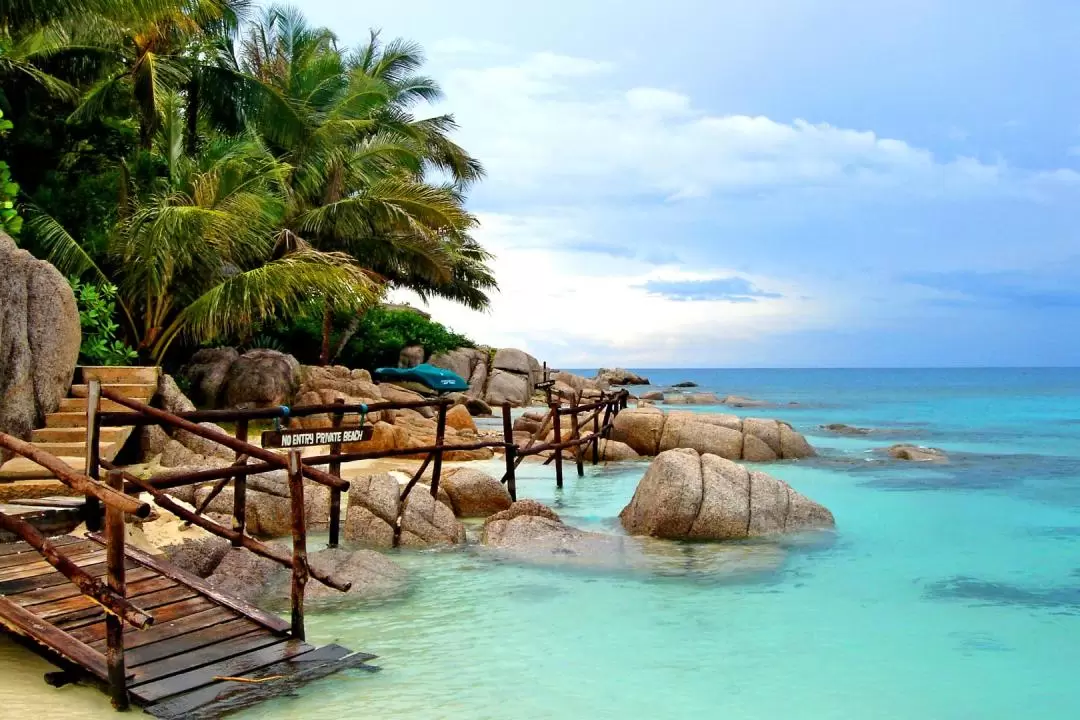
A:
[764,183]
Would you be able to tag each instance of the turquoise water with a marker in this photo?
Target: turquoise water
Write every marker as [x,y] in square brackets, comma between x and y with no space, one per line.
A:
[949,593]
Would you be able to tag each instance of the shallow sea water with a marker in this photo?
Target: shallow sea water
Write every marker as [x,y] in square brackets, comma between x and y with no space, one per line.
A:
[948,593]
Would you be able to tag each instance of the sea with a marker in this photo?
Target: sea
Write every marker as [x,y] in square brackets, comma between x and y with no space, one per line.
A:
[948,591]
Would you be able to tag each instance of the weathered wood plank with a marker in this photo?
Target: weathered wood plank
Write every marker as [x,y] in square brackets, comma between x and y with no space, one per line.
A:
[215,632]
[21,547]
[26,624]
[92,633]
[33,556]
[42,567]
[237,666]
[213,701]
[168,629]
[64,608]
[31,598]
[11,587]
[268,620]
[206,655]
[149,601]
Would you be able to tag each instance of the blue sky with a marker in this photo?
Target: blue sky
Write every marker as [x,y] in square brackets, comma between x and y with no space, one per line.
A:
[768,183]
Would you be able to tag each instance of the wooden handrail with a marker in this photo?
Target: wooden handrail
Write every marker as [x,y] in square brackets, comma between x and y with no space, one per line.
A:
[256,546]
[222,439]
[73,479]
[90,586]
[114,418]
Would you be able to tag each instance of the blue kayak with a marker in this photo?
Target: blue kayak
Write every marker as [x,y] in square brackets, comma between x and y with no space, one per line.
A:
[429,376]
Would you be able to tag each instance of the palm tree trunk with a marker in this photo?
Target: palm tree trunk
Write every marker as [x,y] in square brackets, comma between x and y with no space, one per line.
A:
[327,328]
[346,335]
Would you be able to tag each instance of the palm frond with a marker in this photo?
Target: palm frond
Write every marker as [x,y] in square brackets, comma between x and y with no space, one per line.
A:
[61,249]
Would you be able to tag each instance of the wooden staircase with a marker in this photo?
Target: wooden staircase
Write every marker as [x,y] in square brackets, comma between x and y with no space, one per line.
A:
[64,434]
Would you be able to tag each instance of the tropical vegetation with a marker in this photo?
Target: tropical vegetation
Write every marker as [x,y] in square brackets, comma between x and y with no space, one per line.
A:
[226,169]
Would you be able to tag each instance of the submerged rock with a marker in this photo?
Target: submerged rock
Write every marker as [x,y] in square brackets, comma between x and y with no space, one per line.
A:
[687,495]
[373,575]
[917,453]
[685,384]
[649,431]
[691,399]
[842,429]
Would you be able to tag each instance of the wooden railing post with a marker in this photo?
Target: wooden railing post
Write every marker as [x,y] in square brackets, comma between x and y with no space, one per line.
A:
[335,470]
[240,485]
[436,466]
[299,534]
[575,430]
[596,437]
[558,439]
[93,449]
[511,451]
[114,624]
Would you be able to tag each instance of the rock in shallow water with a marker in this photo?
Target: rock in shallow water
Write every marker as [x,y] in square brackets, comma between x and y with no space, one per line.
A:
[918,453]
[684,495]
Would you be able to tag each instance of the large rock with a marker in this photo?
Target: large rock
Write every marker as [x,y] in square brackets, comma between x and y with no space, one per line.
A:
[691,399]
[410,356]
[473,493]
[39,339]
[350,383]
[373,510]
[459,418]
[261,378]
[615,451]
[170,398]
[199,556]
[424,521]
[205,374]
[842,429]
[504,386]
[244,574]
[688,496]
[513,360]
[535,535]
[373,575]
[649,430]
[621,376]
[917,453]
[469,363]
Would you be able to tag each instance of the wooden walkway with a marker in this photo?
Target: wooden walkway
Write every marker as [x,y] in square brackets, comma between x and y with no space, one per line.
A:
[198,660]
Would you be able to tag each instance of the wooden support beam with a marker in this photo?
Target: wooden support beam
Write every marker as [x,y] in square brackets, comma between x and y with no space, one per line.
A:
[73,479]
[93,452]
[239,520]
[510,478]
[114,626]
[299,534]
[558,445]
[222,439]
[575,434]
[335,470]
[596,438]
[436,467]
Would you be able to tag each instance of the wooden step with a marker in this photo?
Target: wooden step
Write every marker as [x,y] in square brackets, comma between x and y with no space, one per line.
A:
[78,404]
[76,434]
[141,392]
[109,375]
[66,419]
[72,449]
[19,468]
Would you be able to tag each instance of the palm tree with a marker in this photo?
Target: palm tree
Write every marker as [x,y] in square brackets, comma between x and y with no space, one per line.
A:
[192,251]
[358,159]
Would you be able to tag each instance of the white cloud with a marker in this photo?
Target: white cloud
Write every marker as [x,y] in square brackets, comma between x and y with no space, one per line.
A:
[553,123]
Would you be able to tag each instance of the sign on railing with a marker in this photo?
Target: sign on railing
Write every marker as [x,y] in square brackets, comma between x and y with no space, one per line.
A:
[317,436]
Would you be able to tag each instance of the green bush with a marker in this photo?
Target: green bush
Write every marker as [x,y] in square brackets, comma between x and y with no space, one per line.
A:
[381,335]
[10,222]
[97,306]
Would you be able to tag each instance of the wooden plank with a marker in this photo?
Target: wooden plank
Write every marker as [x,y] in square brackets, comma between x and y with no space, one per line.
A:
[63,608]
[11,587]
[31,598]
[168,629]
[237,666]
[197,657]
[42,567]
[217,699]
[190,641]
[26,624]
[268,620]
[85,616]
[33,556]
[92,633]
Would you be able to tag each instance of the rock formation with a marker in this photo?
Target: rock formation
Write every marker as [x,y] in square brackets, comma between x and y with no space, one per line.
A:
[473,493]
[374,507]
[410,356]
[842,429]
[620,376]
[650,431]
[688,496]
[918,453]
[39,339]
[261,378]
[205,374]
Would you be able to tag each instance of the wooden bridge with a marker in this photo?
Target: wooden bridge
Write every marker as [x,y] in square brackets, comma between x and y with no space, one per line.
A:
[156,636]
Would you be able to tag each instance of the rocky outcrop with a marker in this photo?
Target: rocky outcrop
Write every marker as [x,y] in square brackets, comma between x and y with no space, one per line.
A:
[243,574]
[649,431]
[205,374]
[689,496]
[620,376]
[473,493]
[458,417]
[615,451]
[531,533]
[691,399]
[918,453]
[39,339]
[199,556]
[261,378]
[470,363]
[653,395]
[842,429]
[514,373]
[739,401]
[410,356]
[374,507]
[373,575]
[685,384]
